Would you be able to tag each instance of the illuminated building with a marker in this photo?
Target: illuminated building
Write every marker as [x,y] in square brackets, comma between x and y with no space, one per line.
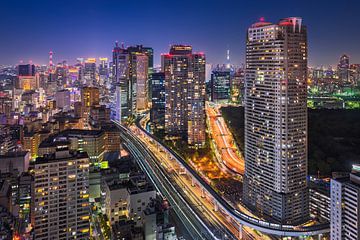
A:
[185,94]
[344,69]
[220,84]
[237,86]
[149,52]
[61,75]
[130,73]
[90,97]
[117,106]
[140,91]
[31,142]
[103,70]
[61,196]
[90,141]
[27,83]
[112,138]
[121,62]
[127,199]
[157,111]
[345,206]
[276,120]
[89,72]
[73,75]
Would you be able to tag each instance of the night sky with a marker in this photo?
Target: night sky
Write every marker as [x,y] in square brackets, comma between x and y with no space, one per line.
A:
[89,28]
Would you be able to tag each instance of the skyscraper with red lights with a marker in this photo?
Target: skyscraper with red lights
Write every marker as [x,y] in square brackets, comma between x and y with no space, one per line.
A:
[276,120]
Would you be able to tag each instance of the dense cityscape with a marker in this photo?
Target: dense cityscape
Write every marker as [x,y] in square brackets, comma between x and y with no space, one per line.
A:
[120,147]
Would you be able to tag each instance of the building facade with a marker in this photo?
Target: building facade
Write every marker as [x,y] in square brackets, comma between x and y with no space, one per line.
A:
[276,120]
[61,199]
[220,84]
[185,94]
[157,111]
[345,207]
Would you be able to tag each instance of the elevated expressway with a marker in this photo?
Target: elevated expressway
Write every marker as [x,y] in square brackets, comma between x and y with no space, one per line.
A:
[139,139]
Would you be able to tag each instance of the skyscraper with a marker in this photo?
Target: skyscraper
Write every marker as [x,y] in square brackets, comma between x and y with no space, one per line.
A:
[276,120]
[157,111]
[121,62]
[149,52]
[344,69]
[104,73]
[140,93]
[61,196]
[220,84]
[90,72]
[130,73]
[185,94]
[26,70]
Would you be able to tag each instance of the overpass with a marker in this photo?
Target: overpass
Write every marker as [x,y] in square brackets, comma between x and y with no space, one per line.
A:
[221,204]
[195,225]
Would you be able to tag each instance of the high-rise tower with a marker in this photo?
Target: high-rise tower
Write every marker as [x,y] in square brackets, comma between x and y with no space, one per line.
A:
[185,94]
[344,69]
[276,120]
[61,196]
[120,74]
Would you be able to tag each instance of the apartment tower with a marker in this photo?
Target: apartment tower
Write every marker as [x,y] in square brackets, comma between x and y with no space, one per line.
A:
[276,120]
[185,94]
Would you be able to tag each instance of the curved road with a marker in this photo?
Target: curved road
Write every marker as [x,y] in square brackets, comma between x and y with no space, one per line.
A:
[241,218]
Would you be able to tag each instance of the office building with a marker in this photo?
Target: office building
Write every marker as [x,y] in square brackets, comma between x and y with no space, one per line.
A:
[90,141]
[121,79]
[103,70]
[185,94]
[117,107]
[26,70]
[31,142]
[90,97]
[89,73]
[344,69]
[61,198]
[130,71]
[61,74]
[28,83]
[157,111]
[149,52]
[141,91]
[345,206]
[276,120]
[220,84]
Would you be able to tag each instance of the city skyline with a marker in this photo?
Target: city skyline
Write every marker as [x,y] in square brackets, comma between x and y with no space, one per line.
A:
[180,120]
[209,26]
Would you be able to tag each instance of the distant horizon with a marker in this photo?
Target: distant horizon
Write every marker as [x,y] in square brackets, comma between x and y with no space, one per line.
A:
[81,28]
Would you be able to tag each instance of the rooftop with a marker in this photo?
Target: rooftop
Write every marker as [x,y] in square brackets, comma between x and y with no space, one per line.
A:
[61,156]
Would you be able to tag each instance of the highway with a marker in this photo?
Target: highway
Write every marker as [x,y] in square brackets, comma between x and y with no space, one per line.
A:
[223,141]
[164,180]
[228,213]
